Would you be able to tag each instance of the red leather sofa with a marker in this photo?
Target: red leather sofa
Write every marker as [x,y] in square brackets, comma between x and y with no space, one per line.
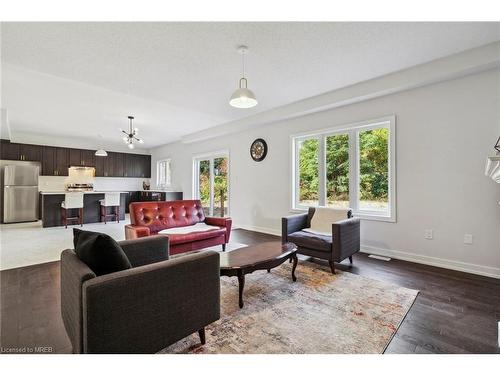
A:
[148,218]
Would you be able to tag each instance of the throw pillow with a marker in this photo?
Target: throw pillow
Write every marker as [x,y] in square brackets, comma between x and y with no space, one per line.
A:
[101,253]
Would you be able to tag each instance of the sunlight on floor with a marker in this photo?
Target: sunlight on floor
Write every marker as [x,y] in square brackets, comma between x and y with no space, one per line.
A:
[25,244]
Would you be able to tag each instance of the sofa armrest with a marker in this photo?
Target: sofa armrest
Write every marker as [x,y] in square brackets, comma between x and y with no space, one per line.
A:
[145,309]
[226,222]
[73,274]
[293,223]
[136,231]
[146,250]
[346,238]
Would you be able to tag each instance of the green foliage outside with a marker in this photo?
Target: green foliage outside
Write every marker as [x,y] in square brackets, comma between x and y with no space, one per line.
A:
[308,170]
[373,168]
[373,147]
[220,185]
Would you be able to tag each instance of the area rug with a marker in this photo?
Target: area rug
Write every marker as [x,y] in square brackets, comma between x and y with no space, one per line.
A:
[320,313]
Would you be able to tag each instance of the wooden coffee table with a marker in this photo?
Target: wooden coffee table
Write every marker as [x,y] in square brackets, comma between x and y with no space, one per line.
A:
[264,256]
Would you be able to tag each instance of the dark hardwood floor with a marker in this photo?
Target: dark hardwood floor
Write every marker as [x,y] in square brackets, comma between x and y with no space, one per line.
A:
[455,312]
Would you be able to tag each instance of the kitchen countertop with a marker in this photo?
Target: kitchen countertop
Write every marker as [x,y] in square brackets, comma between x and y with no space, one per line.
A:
[84,192]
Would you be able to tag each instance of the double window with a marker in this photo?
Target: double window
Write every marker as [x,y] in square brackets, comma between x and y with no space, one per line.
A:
[352,166]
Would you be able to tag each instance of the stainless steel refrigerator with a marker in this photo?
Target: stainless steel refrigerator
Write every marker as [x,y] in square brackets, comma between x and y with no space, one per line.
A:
[20,191]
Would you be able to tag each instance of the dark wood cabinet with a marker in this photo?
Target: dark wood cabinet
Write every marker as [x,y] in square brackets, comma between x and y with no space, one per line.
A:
[88,158]
[104,166]
[49,161]
[19,151]
[10,151]
[62,162]
[146,166]
[56,160]
[30,152]
[118,162]
[74,157]
[137,165]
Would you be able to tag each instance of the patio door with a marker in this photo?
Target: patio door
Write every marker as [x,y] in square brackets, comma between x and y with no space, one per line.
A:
[211,183]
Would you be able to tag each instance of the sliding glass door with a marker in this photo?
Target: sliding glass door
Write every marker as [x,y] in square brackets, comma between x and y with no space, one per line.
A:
[211,183]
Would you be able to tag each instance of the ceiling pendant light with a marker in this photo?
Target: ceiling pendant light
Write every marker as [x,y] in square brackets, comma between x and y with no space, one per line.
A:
[243,97]
[131,135]
[101,151]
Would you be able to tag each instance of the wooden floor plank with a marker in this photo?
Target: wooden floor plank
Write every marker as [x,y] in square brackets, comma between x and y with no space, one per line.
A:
[455,312]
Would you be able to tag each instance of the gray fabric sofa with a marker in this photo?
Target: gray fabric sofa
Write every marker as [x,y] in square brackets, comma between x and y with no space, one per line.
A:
[143,309]
[342,244]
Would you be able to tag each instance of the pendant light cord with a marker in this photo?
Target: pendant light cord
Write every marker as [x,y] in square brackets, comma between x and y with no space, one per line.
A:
[243,60]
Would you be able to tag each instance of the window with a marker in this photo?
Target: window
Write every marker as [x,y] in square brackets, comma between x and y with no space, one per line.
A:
[163,173]
[352,166]
[211,183]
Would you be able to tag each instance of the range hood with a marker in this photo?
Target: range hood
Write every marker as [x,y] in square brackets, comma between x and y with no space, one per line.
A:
[80,168]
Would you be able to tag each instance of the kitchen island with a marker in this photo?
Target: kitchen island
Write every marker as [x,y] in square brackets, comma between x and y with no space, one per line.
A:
[50,206]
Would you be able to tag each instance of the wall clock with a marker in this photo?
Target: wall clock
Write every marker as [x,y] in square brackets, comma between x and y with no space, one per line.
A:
[258,149]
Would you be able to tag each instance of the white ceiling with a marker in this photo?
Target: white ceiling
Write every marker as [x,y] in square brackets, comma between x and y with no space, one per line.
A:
[84,79]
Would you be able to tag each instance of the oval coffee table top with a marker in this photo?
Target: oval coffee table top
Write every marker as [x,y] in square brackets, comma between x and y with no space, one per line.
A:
[255,254]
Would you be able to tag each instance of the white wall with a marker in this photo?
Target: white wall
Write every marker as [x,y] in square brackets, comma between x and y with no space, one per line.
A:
[444,133]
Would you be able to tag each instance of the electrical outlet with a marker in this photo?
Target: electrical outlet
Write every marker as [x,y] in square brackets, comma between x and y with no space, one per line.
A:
[429,234]
[468,239]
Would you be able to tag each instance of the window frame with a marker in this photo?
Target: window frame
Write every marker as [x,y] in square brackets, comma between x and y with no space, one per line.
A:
[210,156]
[353,131]
[166,185]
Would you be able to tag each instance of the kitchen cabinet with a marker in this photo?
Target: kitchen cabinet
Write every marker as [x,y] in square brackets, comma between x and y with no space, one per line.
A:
[30,152]
[132,165]
[104,166]
[146,166]
[88,158]
[137,165]
[118,163]
[10,151]
[61,163]
[75,157]
[18,151]
[49,161]
[56,160]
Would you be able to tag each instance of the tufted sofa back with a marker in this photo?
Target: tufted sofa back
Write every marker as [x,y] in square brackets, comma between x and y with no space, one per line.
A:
[166,214]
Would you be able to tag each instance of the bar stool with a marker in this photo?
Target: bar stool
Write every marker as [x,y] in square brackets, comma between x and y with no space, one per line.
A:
[72,201]
[110,200]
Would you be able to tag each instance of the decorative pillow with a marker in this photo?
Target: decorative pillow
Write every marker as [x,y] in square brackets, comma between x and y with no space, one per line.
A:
[324,217]
[99,252]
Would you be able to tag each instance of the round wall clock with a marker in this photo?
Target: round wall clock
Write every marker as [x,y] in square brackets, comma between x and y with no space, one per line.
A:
[258,149]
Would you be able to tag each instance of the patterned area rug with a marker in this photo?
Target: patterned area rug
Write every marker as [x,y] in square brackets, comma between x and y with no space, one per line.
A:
[320,313]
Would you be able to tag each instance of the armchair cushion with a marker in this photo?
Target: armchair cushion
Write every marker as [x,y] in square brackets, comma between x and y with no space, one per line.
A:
[312,241]
[99,252]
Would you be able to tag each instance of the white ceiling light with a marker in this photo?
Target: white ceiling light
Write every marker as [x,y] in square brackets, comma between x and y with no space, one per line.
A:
[243,97]
[101,151]
[131,135]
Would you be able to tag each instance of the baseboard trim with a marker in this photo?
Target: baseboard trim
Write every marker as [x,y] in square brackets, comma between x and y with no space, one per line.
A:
[433,261]
[259,229]
[475,269]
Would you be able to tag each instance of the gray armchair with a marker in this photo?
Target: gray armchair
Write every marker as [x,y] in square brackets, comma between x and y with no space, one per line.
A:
[342,244]
[143,309]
